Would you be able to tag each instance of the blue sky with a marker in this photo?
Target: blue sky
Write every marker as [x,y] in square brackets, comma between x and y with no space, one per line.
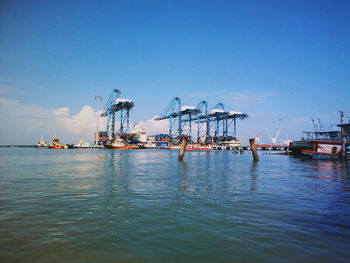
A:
[279,61]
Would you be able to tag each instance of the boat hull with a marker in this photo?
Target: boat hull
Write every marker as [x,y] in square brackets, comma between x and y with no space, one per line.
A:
[318,155]
[124,147]
[325,150]
[57,147]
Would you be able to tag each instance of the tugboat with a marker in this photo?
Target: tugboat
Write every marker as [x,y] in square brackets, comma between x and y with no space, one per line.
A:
[119,144]
[41,143]
[55,144]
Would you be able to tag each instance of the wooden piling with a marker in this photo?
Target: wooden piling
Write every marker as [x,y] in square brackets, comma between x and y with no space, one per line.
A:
[343,147]
[253,149]
[342,154]
[183,148]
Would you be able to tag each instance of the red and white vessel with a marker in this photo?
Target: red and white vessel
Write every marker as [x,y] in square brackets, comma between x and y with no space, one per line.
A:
[119,144]
[326,149]
[329,144]
[55,144]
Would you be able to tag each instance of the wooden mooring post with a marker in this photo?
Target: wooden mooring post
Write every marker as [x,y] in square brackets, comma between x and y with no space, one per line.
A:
[344,132]
[253,149]
[183,148]
[343,146]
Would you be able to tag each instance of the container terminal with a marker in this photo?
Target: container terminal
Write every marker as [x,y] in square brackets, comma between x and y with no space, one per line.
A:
[216,128]
[207,128]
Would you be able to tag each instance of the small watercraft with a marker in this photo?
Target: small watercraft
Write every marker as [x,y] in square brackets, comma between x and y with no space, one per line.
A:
[41,143]
[119,144]
[82,144]
[326,149]
[55,144]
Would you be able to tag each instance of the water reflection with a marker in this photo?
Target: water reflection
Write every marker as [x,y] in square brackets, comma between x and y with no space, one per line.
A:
[330,170]
[253,176]
[116,184]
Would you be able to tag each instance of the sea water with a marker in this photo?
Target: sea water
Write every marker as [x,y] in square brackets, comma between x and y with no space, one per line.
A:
[146,206]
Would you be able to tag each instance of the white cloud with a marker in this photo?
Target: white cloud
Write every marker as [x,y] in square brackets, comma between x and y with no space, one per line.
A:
[6,88]
[155,127]
[62,111]
[84,123]
[23,124]
[11,86]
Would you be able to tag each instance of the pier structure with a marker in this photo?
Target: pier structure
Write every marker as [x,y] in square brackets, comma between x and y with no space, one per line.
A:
[215,122]
[115,105]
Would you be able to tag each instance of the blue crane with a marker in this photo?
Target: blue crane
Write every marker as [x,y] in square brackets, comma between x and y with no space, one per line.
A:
[217,116]
[224,118]
[116,104]
[237,115]
[175,112]
[202,118]
[171,113]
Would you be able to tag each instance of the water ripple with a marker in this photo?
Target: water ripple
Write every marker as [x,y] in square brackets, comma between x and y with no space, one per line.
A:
[145,206]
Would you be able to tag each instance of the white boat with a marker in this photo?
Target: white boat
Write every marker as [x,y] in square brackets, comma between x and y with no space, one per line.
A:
[150,145]
[228,145]
[82,144]
[41,143]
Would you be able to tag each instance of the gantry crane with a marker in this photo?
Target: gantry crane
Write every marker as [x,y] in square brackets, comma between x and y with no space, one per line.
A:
[116,104]
[171,113]
[178,114]
[202,118]
[217,116]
